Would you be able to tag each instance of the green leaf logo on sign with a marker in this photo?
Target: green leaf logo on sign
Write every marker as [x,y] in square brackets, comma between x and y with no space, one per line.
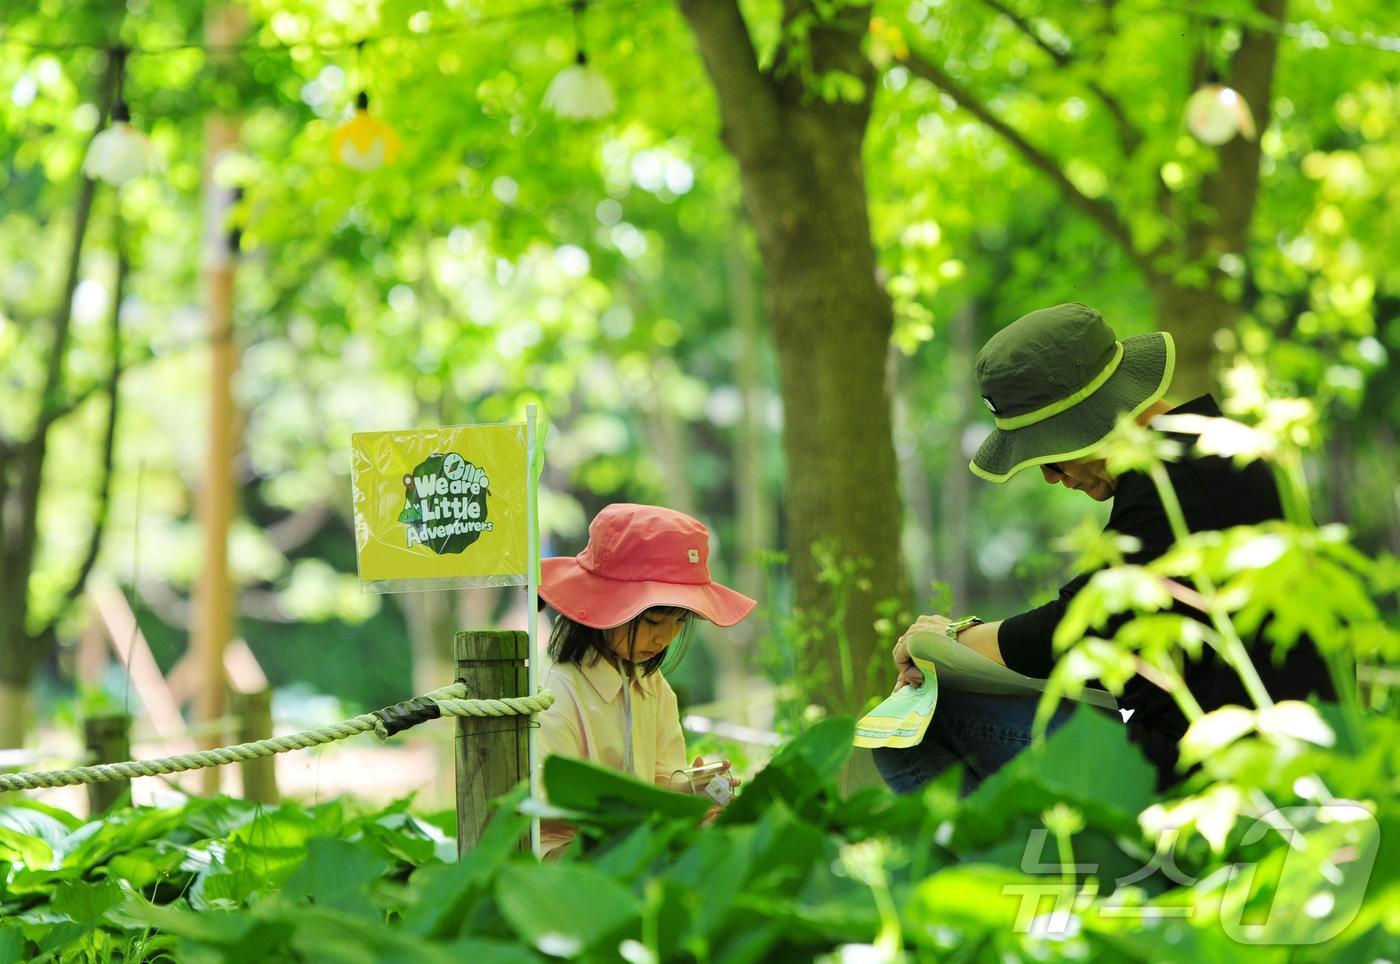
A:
[445,503]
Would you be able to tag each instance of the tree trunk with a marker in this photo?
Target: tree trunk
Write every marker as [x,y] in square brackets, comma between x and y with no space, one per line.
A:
[753,508]
[22,473]
[956,558]
[804,189]
[1192,316]
[921,535]
[432,624]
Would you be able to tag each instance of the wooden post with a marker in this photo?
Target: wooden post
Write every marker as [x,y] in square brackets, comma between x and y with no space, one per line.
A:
[213,617]
[492,752]
[108,741]
[255,723]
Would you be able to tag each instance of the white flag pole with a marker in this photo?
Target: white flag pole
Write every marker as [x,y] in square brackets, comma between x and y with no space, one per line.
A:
[532,611]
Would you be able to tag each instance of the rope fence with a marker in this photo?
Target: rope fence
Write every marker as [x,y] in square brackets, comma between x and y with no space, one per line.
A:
[448,701]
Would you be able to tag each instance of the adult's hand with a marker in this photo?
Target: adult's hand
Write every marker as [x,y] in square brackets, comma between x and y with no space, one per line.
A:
[908,673]
[982,638]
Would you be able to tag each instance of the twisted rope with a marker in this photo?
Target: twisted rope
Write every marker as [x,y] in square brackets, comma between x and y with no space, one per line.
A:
[449,699]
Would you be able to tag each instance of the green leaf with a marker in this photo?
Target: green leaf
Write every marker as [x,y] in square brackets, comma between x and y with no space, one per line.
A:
[533,897]
[144,866]
[825,747]
[208,927]
[11,944]
[22,848]
[581,786]
[1294,719]
[1088,762]
[39,820]
[974,898]
[63,938]
[336,873]
[1215,731]
[496,952]
[84,902]
[444,896]
[332,937]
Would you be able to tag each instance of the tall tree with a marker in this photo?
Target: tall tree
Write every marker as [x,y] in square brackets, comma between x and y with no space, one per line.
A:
[1187,230]
[796,128]
[23,640]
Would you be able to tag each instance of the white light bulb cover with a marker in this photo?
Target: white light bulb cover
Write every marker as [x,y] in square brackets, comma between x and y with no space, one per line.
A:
[119,154]
[1216,113]
[579,92]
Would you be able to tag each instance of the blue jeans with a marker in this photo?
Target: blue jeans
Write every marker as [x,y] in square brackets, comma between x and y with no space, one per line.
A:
[979,730]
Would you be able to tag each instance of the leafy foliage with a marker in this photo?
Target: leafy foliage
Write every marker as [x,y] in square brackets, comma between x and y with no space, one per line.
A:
[792,870]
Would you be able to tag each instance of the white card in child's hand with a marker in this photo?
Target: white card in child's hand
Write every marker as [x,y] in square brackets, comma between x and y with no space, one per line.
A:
[719,790]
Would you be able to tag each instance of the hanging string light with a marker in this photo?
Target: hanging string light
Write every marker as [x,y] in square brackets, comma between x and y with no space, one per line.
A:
[580,91]
[119,153]
[364,143]
[1216,113]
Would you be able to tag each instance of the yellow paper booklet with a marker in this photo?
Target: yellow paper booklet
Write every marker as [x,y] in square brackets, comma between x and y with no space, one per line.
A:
[901,720]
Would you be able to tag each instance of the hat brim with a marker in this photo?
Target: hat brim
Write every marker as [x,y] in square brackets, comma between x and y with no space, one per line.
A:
[602,603]
[1141,379]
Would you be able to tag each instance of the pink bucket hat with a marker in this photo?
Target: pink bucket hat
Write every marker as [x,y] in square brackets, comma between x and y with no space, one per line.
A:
[637,557]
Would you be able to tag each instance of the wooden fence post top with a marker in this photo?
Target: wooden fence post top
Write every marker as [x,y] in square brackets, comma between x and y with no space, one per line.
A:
[507,644]
[491,754]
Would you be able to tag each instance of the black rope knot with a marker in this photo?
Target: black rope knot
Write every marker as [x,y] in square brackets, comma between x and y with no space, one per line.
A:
[409,713]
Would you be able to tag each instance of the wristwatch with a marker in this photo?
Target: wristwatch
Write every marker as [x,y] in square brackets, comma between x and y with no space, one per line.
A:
[958,625]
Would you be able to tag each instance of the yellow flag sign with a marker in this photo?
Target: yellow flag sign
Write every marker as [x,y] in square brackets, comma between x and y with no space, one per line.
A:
[441,508]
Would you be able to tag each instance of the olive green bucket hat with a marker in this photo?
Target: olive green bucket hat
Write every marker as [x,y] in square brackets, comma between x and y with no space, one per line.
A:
[1057,381]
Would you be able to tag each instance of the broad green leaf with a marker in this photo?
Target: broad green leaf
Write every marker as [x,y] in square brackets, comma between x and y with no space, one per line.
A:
[973,899]
[39,820]
[825,747]
[531,897]
[11,943]
[1295,720]
[61,939]
[271,846]
[1215,731]
[1212,814]
[85,903]
[582,786]
[325,934]
[483,950]
[336,873]
[144,865]
[218,889]
[23,848]
[444,897]
[208,927]
[712,871]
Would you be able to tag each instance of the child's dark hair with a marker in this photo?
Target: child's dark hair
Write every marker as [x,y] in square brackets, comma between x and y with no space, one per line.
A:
[572,642]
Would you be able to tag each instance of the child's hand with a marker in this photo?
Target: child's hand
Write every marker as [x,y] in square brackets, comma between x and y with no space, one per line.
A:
[715,808]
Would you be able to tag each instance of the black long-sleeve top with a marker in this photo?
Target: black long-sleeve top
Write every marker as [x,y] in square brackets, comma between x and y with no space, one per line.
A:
[1214,494]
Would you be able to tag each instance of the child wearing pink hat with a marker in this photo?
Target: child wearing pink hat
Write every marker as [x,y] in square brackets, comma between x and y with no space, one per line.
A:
[636,587]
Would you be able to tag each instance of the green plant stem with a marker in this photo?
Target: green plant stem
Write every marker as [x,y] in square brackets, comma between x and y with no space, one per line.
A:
[1065,846]
[890,940]
[1293,488]
[1343,674]
[1181,693]
[1231,647]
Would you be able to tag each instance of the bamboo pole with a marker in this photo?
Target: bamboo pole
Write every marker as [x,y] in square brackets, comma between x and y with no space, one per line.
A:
[214,593]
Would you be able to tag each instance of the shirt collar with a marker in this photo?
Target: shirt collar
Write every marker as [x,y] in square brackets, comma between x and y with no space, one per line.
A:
[605,678]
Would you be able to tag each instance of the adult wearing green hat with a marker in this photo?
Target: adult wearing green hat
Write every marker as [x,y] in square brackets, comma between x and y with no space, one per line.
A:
[1056,382]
